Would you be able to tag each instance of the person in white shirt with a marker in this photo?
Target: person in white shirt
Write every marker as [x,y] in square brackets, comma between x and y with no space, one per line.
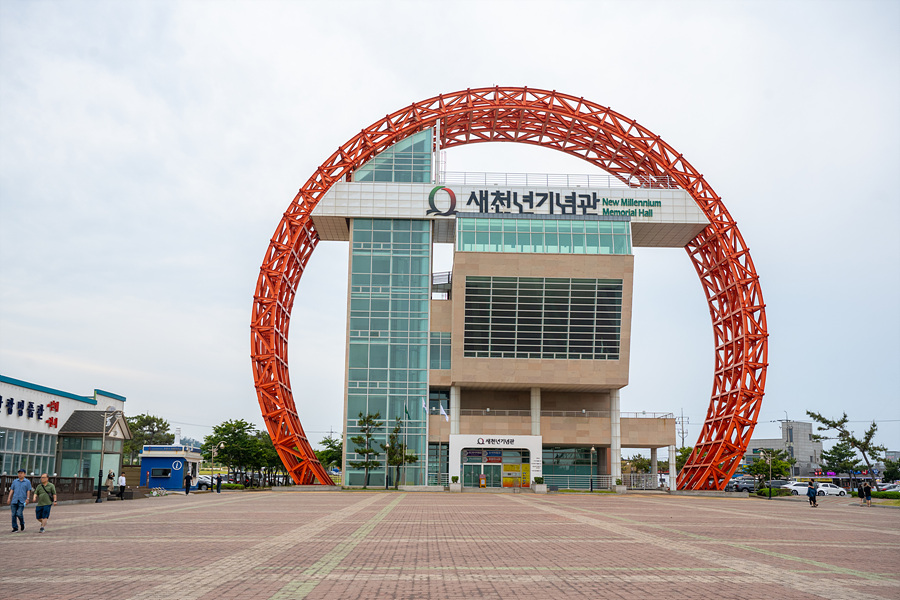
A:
[121,493]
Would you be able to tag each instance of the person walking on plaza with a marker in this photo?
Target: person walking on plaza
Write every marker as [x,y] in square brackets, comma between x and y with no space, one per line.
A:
[219,483]
[18,498]
[110,482]
[187,484]
[811,494]
[867,489]
[45,496]
[861,494]
[121,493]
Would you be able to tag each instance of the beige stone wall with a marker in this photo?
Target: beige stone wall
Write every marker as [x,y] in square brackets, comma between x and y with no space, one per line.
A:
[516,373]
[495,425]
[564,431]
[441,315]
[438,429]
[647,433]
[576,401]
[495,399]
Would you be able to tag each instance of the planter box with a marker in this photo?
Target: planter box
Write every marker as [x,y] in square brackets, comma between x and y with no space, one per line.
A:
[620,489]
[540,488]
[456,487]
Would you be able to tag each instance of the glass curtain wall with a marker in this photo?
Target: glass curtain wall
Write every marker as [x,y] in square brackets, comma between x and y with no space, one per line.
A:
[34,452]
[390,291]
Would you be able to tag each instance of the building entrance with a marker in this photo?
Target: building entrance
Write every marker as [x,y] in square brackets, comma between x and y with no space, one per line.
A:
[501,468]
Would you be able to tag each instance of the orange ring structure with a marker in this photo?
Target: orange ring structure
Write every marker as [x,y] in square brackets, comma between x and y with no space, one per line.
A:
[594,133]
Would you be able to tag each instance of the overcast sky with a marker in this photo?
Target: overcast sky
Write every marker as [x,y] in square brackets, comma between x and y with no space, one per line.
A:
[148,150]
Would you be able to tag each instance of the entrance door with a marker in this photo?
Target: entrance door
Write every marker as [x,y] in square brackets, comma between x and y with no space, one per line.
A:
[493,474]
[470,475]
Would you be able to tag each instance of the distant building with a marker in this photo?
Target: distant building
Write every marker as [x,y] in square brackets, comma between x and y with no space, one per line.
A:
[892,455]
[45,430]
[796,440]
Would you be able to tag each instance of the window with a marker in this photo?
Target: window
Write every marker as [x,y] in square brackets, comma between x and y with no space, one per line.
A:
[539,235]
[440,350]
[527,317]
[409,160]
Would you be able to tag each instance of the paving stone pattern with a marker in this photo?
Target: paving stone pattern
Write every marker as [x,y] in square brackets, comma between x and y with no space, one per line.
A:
[373,545]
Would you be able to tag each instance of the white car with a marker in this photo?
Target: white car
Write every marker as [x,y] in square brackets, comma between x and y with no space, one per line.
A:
[829,489]
[798,488]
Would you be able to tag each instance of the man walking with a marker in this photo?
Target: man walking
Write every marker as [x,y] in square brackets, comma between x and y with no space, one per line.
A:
[18,498]
[811,494]
[188,480]
[219,483]
[121,493]
[45,496]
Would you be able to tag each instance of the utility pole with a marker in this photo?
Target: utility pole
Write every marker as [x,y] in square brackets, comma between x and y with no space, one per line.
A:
[682,423]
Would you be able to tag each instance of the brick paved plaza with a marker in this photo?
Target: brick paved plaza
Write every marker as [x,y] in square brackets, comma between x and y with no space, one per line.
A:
[346,545]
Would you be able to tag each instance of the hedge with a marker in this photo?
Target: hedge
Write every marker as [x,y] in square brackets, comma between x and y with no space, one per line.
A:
[775,492]
[883,495]
[232,486]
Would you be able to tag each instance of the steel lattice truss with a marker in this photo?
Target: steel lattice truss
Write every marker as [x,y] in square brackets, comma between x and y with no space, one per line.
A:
[602,137]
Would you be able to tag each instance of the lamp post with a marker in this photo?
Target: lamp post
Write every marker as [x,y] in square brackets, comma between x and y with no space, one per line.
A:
[593,451]
[212,462]
[102,452]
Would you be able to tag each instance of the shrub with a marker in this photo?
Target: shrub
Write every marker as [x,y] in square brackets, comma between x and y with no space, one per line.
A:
[775,492]
[539,480]
[455,479]
[618,482]
[232,486]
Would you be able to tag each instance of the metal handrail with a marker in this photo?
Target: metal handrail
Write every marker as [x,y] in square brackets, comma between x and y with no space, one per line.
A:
[472,412]
[646,415]
[587,180]
[575,413]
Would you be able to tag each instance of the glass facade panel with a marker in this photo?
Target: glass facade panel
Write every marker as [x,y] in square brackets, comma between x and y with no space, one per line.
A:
[409,160]
[389,341]
[545,235]
[527,317]
[440,350]
[34,452]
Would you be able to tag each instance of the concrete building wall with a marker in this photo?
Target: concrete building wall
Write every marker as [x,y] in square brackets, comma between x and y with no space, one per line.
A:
[523,373]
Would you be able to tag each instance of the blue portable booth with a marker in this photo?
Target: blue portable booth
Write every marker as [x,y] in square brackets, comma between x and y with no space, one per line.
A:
[165,466]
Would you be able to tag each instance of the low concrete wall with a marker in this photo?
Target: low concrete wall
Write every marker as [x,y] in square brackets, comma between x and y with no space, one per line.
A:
[710,493]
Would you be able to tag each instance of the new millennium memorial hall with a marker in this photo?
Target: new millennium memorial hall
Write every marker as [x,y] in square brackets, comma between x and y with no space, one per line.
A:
[510,366]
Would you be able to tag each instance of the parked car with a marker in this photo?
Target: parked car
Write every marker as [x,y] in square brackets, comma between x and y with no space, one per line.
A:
[204,482]
[797,488]
[894,487]
[777,483]
[829,489]
[741,484]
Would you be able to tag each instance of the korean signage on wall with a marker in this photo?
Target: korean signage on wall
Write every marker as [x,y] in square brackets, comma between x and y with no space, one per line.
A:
[29,410]
[442,201]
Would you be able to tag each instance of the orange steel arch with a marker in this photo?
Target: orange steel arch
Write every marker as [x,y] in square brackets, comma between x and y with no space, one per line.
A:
[598,135]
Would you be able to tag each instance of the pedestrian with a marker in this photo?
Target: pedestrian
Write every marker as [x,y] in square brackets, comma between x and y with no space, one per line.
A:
[110,482]
[187,484]
[867,489]
[811,494]
[18,498]
[861,494]
[219,483]
[45,496]
[121,486]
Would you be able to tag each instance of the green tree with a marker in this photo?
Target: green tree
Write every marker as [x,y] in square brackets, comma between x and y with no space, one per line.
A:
[146,430]
[841,459]
[891,470]
[240,444]
[368,426]
[865,445]
[780,465]
[681,456]
[639,463]
[397,453]
[333,453]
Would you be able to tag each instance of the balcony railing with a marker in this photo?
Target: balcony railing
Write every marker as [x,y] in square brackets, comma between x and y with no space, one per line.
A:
[552,180]
[603,414]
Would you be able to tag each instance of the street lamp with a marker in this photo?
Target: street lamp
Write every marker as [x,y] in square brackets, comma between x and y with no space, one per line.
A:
[593,451]
[212,462]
